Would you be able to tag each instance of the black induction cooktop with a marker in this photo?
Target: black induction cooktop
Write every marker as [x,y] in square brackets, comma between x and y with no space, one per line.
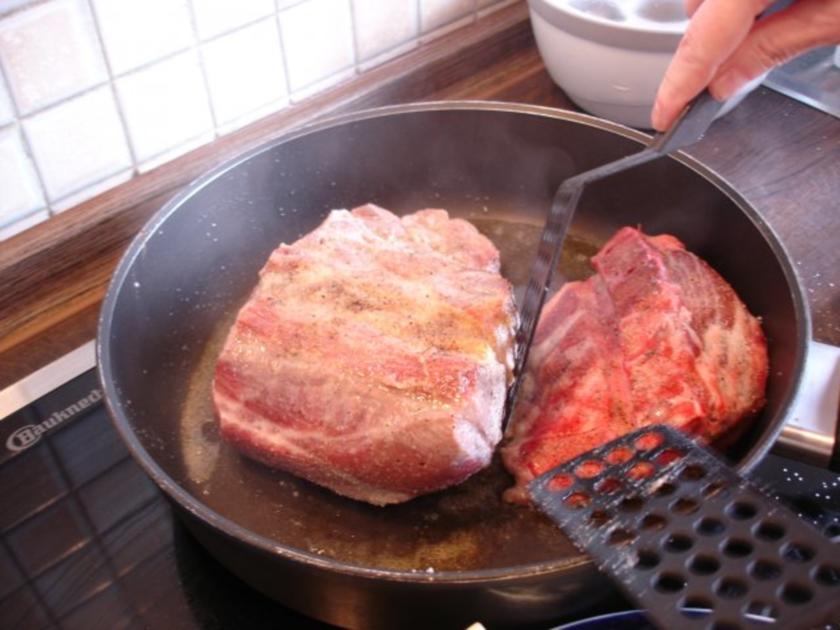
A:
[89,542]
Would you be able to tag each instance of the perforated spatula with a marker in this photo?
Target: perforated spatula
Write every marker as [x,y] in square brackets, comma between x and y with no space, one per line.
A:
[688,129]
[687,538]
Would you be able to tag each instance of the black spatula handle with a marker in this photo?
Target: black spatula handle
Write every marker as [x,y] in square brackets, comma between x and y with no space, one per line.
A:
[689,126]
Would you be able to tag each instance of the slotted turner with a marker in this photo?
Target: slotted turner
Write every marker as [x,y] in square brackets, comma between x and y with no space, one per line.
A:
[678,530]
[688,128]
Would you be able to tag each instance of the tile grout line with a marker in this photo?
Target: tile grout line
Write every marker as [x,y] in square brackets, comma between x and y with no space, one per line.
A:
[132,153]
[468,18]
[389,54]
[8,224]
[113,77]
[234,29]
[94,539]
[97,182]
[352,10]
[65,99]
[71,495]
[196,45]
[28,582]
[383,56]
[418,24]
[18,122]
[200,56]
[278,23]
[328,81]
[289,5]
[105,83]
[201,43]
[283,100]
[418,4]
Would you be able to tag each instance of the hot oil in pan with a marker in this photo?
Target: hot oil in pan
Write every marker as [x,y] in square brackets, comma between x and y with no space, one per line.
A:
[517,243]
[466,527]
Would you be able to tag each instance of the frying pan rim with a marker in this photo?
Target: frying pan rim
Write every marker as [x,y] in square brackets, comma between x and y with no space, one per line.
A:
[516,573]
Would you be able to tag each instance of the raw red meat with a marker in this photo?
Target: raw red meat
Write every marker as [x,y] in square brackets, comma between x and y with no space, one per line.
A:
[373,356]
[656,336]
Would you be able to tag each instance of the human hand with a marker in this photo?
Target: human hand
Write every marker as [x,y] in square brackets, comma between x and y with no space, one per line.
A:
[725,47]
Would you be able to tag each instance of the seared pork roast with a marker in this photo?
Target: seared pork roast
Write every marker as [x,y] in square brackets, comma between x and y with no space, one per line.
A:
[655,336]
[373,356]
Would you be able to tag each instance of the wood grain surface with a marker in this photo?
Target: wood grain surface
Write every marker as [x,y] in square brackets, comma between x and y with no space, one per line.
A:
[782,156]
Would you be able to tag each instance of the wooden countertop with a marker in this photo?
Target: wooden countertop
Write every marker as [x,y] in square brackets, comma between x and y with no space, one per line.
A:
[782,156]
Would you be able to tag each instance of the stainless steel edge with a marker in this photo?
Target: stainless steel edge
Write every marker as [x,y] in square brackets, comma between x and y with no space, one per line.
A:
[798,94]
[809,78]
[809,435]
[46,379]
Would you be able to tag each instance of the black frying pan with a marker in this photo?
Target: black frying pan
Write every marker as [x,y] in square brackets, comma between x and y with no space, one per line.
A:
[459,555]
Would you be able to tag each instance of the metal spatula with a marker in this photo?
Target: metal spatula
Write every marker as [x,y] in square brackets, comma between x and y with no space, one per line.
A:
[688,129]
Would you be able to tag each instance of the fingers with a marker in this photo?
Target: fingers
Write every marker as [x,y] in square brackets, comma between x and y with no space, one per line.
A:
[806,24]
[716,30]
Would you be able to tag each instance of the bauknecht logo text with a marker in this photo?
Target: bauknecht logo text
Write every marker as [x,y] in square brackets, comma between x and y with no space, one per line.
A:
[28,435]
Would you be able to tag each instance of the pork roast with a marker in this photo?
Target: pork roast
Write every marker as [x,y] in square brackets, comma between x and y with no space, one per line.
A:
[655,336]
[373,356]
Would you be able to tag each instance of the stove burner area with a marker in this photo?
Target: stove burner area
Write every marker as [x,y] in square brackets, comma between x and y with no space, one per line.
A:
[89,542]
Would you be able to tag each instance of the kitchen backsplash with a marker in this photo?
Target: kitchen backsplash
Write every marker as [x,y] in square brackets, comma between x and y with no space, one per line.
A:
[93,92]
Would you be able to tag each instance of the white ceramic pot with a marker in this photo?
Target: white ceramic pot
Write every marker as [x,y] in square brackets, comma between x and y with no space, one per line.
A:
[609,57]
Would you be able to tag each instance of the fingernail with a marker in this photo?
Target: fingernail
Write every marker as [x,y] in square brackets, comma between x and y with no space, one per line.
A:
[656,116]
[727,84]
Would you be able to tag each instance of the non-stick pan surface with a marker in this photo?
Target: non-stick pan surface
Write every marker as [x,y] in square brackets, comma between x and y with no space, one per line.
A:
[184,277]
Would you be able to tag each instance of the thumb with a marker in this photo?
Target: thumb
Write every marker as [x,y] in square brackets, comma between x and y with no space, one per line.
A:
[776,39]
[691,6]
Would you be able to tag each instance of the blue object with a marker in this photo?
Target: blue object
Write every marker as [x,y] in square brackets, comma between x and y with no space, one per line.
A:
[636,620]
[624,620]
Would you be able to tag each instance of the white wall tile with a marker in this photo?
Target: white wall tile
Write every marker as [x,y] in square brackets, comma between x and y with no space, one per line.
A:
[23,224]
[175,152]
[437,13]
[78,142]
[20,193]
[50,51]
[322,85]
[74,199]
[317,40]
[165,105]
[244,70]
[381,26]
[136,32]
[388,55]
[185,71]
[213,17]
[6,112]
[256,114]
